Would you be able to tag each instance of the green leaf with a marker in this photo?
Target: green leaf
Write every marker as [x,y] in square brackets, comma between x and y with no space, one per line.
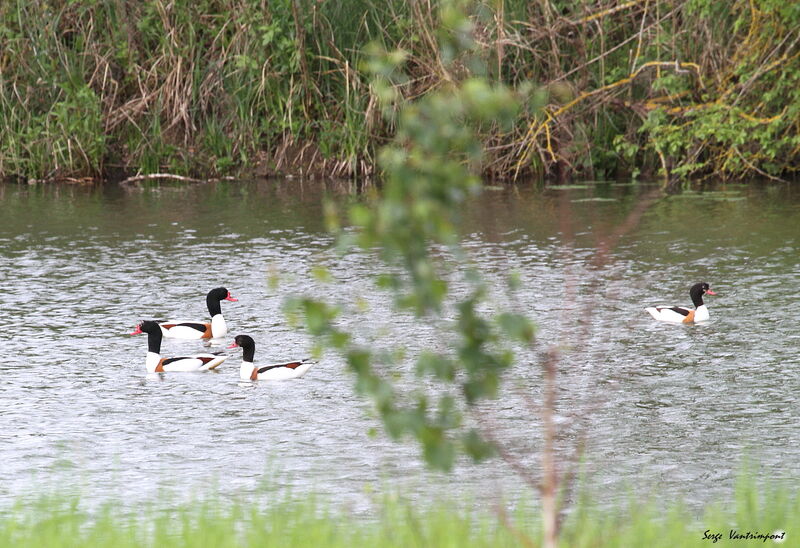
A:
[437,365]
[516,326]
[321,274]
[476,446]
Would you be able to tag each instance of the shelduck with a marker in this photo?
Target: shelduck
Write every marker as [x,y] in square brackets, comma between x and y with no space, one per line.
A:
[156,364]
[202,330]
[275,372]
[679,314]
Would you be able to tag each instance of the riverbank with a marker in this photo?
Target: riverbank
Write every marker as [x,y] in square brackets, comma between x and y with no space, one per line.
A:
[89,90]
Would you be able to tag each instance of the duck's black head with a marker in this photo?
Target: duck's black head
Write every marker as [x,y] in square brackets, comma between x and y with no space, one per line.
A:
[245,341]
[147,326]
[247,344]
[214,297]
[154,335]
[698,290]
[219,294]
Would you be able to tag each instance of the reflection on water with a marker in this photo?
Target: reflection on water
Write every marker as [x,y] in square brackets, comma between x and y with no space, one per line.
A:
[670,407]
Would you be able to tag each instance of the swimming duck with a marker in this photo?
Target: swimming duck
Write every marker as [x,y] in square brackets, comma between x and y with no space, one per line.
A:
[679,314]
[275,372]
[156,364]
[202,330]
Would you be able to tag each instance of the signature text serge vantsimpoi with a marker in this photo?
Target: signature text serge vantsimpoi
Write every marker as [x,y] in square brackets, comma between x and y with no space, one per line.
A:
[745,535]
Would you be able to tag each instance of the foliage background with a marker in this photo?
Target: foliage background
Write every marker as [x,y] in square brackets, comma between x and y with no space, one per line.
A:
[681,87]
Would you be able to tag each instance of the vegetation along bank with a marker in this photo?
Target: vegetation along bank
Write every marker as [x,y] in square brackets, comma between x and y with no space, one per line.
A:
[685,88]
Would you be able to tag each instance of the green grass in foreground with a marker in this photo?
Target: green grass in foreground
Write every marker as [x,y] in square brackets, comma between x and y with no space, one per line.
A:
[63,522]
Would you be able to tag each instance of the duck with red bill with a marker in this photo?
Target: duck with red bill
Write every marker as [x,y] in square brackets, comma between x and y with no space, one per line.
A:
[681,314]
[274,372]
[200,329]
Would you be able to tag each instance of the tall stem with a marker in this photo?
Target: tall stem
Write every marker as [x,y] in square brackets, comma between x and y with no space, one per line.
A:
[549,486]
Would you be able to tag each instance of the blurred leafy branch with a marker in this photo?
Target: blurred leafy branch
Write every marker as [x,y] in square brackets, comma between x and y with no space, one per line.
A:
[412,229]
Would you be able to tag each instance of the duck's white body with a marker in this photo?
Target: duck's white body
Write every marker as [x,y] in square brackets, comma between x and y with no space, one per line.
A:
[681,314]
[201,329]
[196,362]
[188,329]
[277,372]
[154,363]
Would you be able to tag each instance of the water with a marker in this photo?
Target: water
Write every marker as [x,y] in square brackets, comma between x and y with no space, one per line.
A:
[667,407]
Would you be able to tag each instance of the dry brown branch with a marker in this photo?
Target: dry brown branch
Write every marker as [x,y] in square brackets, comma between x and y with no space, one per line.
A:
[554,484]
[527,143]
[756,169]
[550,479]
[765,68]
[606,12]
[640,36]
[151,176]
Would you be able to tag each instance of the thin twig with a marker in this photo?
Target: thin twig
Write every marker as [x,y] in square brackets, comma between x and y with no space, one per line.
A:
[756,169]
[151,176]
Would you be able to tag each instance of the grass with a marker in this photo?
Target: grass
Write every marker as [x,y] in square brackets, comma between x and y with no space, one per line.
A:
[55,522]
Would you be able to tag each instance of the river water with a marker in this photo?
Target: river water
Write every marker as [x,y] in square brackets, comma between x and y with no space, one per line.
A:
[670,408]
